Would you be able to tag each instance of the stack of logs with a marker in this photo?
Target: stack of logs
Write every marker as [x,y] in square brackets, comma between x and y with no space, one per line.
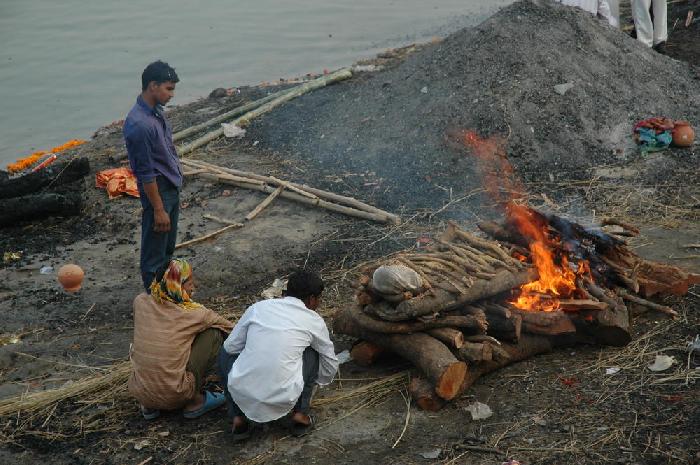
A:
[460,325]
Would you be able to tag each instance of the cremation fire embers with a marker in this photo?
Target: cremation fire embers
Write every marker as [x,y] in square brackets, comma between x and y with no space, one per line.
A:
[559,271]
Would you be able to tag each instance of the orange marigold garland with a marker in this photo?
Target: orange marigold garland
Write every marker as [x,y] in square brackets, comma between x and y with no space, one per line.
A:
[24,163]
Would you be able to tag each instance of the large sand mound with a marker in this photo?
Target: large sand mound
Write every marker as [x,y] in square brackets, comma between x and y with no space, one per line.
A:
[497,78]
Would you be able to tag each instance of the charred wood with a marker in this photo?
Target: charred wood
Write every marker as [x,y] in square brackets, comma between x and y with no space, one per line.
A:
[40,206]
[53,175]
[468,323]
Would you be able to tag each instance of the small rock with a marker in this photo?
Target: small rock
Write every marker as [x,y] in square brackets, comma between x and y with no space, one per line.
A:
[218,93]
[424,90]
[431,454]
[562,89]
[141,444]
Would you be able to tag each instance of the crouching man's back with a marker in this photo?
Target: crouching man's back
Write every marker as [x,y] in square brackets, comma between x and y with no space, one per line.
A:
[276,354]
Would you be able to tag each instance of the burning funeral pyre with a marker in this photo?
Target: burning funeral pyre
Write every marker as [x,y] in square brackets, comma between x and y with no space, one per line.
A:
[468,305]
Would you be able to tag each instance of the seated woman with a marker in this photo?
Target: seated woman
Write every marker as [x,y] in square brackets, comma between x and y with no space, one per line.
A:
[176,342]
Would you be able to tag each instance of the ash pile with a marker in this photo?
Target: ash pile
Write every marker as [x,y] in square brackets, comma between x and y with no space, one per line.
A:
[388,128]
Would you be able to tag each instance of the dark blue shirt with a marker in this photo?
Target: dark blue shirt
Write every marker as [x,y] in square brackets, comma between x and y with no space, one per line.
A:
[149,143]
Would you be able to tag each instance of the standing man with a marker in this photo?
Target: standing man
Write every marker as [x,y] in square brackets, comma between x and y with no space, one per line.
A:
[652,33]
[154,161]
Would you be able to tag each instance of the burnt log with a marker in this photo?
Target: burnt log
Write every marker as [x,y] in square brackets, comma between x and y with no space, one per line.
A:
[504,329]
[502,323]
[39,206]
[545,323]
[440,300]
[424,395]
[502,233]
[468,323]
[608,327]
[429,355]
[53,175]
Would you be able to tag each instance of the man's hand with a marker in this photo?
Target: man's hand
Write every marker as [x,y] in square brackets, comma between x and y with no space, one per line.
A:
[160,216]
[162,221]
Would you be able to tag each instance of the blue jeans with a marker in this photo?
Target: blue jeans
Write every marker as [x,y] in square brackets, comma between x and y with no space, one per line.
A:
[157,247]
[309,371]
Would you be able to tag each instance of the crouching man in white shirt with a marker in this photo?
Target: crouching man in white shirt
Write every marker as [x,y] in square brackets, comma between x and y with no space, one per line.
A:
[275,355]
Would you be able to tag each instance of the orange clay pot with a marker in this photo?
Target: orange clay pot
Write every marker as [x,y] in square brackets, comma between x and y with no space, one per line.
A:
[683,135]
[71,277]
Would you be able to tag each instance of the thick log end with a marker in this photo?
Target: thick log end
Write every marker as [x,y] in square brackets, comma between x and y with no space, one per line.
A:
[365,353]
[449,385]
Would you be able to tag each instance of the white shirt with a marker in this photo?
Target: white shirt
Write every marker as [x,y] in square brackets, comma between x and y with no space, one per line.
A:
[271,336]
[594,7]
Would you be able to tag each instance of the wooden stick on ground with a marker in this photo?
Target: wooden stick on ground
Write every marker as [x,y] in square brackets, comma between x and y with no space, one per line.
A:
[218,219]
[268,200]
[304,190]
[245,119]
[385,218]
[654,306]
[208,236]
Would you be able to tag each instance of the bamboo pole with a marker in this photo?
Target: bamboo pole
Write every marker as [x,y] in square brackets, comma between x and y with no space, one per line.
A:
[300,198]
[310,192]
[229,114]
[268,200]
[258,177]
[246,118]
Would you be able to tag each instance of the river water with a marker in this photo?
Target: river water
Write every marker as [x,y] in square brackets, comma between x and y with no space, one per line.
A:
[68,67]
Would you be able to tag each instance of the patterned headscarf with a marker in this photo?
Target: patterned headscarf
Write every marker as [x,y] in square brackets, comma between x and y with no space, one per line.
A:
[170,287]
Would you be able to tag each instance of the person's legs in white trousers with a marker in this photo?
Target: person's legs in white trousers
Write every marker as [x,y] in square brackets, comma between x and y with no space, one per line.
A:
[647,33]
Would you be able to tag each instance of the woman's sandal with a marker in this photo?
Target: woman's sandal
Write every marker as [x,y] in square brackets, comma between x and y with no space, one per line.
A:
[299,429]
[212,401]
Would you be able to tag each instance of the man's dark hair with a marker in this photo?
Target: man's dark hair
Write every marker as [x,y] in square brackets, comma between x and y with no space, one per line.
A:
[303,284]
[159,72]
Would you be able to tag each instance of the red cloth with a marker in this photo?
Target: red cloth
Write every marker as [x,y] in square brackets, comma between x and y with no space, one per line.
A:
[658,123]
[117,181]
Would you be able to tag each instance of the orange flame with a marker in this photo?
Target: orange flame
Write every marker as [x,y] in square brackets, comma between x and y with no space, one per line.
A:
[556,279]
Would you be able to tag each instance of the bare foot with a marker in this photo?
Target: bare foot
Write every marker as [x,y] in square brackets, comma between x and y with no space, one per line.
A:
[301,418]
